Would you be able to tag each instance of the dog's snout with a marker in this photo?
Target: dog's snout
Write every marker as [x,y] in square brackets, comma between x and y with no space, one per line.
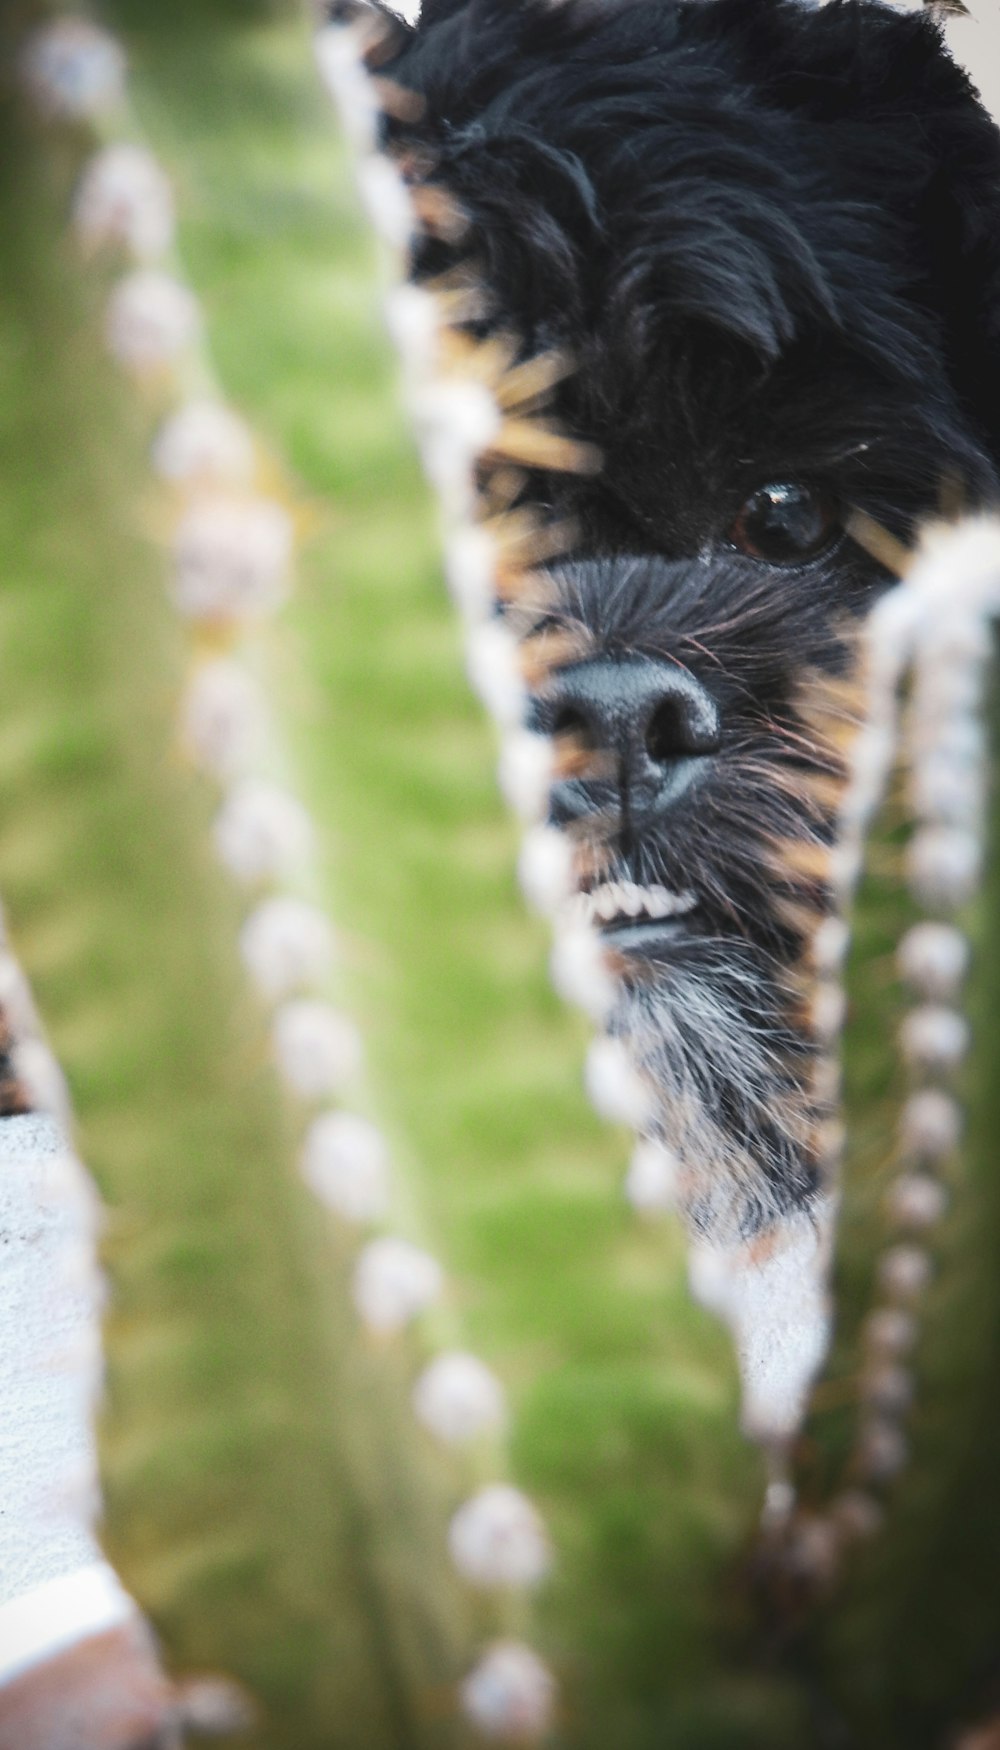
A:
[648,723]
[683,722]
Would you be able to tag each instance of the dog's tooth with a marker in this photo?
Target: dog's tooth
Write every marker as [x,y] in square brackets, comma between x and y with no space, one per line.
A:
[632,899]
[606,901]
[659,903]
[681,903]
[627,899]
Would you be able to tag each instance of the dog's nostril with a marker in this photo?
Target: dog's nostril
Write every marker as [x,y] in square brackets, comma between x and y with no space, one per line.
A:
[569,720]
[664,733]
[679,727]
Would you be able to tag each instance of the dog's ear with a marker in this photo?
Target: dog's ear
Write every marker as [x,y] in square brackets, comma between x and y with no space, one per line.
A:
[907,109]
[910,132]
[962,218]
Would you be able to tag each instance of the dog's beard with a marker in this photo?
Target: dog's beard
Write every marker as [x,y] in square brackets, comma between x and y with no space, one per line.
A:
[715,1007]
[734,1085]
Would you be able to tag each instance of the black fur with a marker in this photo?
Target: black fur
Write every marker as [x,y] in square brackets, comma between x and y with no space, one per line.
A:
[769,235]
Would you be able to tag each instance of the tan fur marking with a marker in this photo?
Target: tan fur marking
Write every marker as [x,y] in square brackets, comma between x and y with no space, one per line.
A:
[805,857]
[574,759]
[539,656]
[398,101]
[439,213]
[536,377]
[539,446]
[878,542]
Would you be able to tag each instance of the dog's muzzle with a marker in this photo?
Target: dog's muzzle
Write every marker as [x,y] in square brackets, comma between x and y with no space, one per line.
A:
[651,723]
[642,728]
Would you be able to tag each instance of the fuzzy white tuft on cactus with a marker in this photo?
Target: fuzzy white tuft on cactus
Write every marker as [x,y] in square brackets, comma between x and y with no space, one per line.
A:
[125,198]
[917,1201]
[232,558]
[414,324]
[203,442]
[934,958]
[904,1272]
[930,1125]
[152,320]
[651,1184]
[224,718]
[74,70]
[318,1050]
[394,1282]
[261,832]
[286,944]
[510,1695]
[933,1037]
[944,865]
[525,772]
[456,421]
[346,1162]
[387,201]
[458,1399]
[580,972]
[498,1539]
[470,562]
[493,669]
[337,55]
[617,1092]
[545,869]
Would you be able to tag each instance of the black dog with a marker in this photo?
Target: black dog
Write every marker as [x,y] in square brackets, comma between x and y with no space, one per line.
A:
[769,236]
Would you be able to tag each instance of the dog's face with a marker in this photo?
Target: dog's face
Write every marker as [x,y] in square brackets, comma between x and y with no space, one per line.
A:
[769,237]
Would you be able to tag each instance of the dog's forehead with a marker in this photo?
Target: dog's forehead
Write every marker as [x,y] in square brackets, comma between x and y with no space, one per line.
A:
[762,165]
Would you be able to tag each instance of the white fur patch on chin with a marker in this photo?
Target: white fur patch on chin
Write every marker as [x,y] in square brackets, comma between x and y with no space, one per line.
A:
[773,1293]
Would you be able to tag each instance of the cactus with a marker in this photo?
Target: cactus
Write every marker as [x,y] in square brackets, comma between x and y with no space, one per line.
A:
[233,1347]
[904,1644]
[272,1497]
[220,1272]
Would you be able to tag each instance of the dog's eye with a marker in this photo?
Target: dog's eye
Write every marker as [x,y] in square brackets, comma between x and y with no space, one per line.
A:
[784,523]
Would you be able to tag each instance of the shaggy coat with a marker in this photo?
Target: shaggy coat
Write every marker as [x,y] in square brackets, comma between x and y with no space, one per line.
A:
[769,237]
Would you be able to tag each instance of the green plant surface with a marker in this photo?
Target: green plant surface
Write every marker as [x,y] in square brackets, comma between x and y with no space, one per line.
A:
[910,1649]
[268,1497]
[874,1087]
[242,1470]
[624,1395]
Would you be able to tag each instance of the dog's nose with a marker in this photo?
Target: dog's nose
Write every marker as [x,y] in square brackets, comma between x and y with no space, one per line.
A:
[652,721]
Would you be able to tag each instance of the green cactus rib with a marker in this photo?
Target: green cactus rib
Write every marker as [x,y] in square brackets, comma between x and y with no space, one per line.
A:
[250,1443]
[623,1397]
[919,1627]
[267,1496]
[623,1393]
[904,1651]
